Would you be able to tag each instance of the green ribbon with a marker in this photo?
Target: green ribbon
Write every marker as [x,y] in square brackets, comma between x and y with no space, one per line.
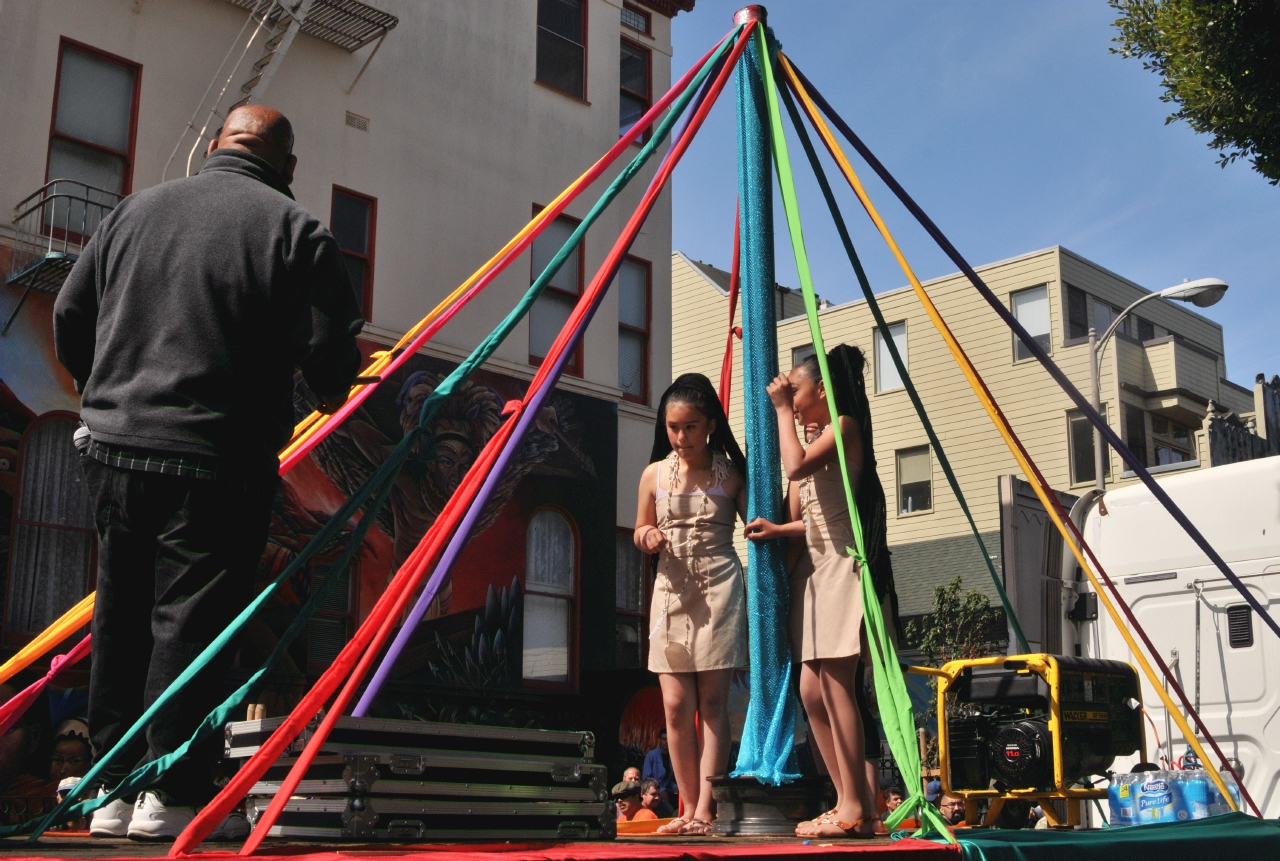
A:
[896,714]
[901,365]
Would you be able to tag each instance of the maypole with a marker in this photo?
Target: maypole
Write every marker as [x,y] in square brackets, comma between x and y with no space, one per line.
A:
[770,725]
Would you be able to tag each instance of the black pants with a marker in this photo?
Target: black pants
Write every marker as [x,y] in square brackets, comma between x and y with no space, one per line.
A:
[176,563]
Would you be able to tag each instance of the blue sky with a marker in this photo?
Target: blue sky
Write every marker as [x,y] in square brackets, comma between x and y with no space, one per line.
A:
[1015,129]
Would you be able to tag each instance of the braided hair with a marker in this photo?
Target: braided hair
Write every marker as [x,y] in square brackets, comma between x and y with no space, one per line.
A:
[696,391]
[849,398]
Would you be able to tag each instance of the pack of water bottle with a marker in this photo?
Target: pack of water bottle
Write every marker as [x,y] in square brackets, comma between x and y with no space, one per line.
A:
[1168,796]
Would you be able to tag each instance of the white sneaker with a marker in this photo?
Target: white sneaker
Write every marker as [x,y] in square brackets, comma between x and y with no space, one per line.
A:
[111,819]
[234,827]
[155,820]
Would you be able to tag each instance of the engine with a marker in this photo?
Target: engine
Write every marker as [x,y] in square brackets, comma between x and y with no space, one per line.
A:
[1000,727]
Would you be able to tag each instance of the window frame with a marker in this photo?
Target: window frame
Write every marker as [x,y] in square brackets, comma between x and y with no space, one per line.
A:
[586,58]
[1048,333]
[876,339]
[371,244]
[575,601]
[648,19]
[1067,291]
[647,589]
[1071,451]
[897,477]
[647,332]
[126,178]
[11,638]
[575,367]
[648,99]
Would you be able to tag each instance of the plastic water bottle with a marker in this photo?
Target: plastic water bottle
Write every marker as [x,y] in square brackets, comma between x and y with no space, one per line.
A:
[1217,804]
[1193,786]
[1155,798]
[1122,799]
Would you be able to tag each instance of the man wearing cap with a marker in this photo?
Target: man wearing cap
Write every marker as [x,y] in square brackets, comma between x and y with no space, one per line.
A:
[627,796]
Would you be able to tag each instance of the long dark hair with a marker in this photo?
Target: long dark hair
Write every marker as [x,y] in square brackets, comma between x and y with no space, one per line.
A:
[696,391]
[848,397]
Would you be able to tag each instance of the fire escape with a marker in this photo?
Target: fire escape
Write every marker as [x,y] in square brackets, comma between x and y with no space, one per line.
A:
[52,225]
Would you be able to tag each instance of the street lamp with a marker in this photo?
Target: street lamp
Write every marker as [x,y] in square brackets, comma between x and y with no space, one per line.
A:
[1202,293]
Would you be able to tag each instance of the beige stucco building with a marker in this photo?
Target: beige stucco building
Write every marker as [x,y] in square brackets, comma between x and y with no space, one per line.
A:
[1158,377]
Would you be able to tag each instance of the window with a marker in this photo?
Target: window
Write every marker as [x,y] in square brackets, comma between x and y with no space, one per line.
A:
[562,46]
[1031,308]
[353,222]
[1135,431]
[1146,330]
[331,627]
[52,554]
[915,480]
[1240,626]
[552,309]
[1173,443]
[633,329]
[1081,448]
[551,557]
[636,19]
[799,354]
[630,602]
[1103,316]
[633,79]
[887,377]
[95,116]
[1077,313]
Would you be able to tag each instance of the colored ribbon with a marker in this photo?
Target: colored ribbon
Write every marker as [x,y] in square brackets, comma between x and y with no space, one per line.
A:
[726,366]
[768,733]
[17,706]
[66,625]
[1071,534]
[896,714]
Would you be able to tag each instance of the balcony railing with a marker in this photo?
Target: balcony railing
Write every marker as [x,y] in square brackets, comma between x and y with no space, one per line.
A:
[51,228]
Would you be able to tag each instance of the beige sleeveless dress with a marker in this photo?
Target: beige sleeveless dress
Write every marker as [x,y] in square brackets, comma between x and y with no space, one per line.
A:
[698,618]
[826,589]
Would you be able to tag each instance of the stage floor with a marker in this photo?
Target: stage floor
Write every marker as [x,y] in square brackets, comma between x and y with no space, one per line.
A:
[648,848]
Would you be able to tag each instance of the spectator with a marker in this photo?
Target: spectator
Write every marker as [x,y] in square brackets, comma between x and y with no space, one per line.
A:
[933,791]
[632,774]
[651,798]
[952,809]
[71,751]
[893,797]
[627,796]
[657,765]
[24,751]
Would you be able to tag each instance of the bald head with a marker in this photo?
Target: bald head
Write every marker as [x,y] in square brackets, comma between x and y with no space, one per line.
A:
[262,131]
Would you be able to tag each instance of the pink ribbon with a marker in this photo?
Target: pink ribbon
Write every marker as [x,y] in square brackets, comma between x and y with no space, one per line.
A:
[17,707]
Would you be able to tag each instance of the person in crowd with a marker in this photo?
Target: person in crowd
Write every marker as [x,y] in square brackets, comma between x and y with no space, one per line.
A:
[24,751]
[933,792]
[952,809]
[826,631]
[893,797]
[690,498]
[72,753]
[182,324]
[657,765]
[631,774]
[630,809]
[651,797]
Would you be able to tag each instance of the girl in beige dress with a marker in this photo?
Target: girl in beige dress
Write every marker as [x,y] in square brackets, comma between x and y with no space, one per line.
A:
[826,630]
[690,498]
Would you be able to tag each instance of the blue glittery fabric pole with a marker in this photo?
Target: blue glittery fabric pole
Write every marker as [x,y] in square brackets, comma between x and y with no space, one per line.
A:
[769,733]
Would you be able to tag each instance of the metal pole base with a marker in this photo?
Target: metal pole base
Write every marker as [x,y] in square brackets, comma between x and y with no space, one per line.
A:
[748,808]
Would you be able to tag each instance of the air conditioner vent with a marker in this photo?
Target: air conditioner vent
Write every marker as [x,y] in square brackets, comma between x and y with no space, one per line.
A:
[1240,626]
[357,122]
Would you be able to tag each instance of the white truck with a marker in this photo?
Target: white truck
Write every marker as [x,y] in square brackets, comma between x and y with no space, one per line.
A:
[1224,656]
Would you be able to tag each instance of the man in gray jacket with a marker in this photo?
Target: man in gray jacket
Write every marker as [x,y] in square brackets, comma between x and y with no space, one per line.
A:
[182,324]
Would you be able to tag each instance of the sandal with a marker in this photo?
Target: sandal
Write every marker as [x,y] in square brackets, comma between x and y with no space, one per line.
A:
[850,829]
[696,828]
[809,824]
[672,828]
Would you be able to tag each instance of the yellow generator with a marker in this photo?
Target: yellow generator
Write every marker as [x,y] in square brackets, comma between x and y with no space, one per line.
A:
[1035,728]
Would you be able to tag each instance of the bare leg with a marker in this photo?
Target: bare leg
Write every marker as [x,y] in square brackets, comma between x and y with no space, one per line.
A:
[837,681]
[680,703]
[713,719]
[819,730]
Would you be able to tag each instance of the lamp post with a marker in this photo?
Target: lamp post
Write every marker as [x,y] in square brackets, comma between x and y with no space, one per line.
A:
[1202,293]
